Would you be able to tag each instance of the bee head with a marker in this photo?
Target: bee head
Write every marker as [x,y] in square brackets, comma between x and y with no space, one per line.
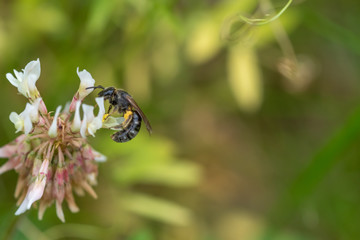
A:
[106,92]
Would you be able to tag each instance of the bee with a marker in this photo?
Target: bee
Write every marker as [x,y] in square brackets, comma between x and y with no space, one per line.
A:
[123,103]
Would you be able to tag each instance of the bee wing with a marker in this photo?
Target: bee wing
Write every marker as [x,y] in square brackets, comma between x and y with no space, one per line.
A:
[137,108]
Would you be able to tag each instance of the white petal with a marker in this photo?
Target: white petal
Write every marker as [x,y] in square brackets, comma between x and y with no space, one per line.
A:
[23,207]
[25,81]
[83,127]
[100,103]
[86,80]
[34,113]
[88,112]
[12,80]
[36,192]
[98,156]
[27,125]
[33,68]
[19,76]
[91,130]
[76,124]
[59,211]
[17,121]
[94,125]
[53,128]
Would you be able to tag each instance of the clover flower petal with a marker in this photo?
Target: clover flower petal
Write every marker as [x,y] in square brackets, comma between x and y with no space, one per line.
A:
[76,124]
[53,128]
[86,80]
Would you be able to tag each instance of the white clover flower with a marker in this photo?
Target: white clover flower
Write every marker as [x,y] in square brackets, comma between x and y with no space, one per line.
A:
[36,190]
[91,123]
[25,81]
[86,80]
[60,139]
[24,121]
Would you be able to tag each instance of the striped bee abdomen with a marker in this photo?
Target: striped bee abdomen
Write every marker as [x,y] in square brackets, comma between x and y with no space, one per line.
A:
[130,131]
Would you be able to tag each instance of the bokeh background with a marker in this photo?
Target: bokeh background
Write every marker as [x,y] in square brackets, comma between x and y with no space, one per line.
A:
[256,128]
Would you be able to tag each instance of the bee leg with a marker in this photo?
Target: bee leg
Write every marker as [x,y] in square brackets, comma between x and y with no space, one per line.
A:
[128,116]
[110,107]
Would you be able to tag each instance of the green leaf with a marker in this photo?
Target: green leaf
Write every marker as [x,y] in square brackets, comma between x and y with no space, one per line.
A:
[320,165]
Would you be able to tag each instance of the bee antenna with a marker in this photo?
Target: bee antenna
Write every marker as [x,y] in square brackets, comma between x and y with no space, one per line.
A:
[94,87]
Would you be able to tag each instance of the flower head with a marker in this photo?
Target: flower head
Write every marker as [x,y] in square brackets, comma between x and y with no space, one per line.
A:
[86,80]
[52,156]
[25,80]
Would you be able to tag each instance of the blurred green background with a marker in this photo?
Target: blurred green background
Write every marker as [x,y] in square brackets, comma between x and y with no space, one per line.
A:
[255,128]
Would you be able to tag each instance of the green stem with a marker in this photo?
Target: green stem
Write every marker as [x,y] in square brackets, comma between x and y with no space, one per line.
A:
[10,231]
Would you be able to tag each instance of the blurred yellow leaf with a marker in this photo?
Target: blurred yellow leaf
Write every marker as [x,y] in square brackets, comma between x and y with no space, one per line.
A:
[152,161]
[179,174]
[157,209]
[204,42]
[240,225]
[245,77]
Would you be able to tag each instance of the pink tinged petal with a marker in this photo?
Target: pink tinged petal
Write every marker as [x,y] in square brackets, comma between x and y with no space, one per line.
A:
[70,199]
[59,211]
[89,189]
[40,182]
[91,177]
[42,107]
[42,207]
[86,80]
[73,102]
[54,127]
[44,167]
[36,167]
[76,124]
[20,138]
[36,189]
[79,191]
[7,151]
[10,164]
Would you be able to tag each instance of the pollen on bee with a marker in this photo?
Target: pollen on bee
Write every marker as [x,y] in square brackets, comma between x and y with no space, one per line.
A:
[127,114]
[105,117]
